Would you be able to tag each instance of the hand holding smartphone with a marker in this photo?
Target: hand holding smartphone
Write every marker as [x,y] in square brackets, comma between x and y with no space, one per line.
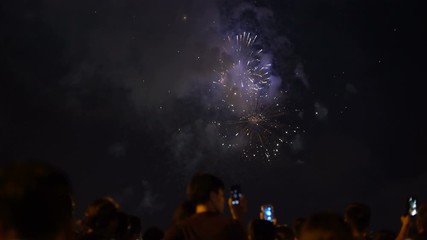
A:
[236,194]
[412,206]
[267,212]
[237,203]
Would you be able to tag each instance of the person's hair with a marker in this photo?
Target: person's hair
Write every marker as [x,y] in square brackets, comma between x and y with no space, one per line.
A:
[200,187]
[259,229]
[422,217]
[325,226]
[284,232]
[297,226]
[184,210]
[358,215]
[35,200]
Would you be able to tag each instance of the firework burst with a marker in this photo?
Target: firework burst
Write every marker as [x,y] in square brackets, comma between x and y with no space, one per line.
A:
[243,76]
[259,133]
[255,119]
[242,70]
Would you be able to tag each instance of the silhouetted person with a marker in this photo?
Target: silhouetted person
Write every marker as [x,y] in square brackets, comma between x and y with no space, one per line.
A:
[35,202]
[207,194]
[325,226]
[358,216]
[261,230]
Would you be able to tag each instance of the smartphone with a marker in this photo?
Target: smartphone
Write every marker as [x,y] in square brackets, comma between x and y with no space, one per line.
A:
[267,212]
[236,194]
[412,206]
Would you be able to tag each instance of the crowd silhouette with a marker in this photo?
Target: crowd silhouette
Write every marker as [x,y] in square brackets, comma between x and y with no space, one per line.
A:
[36,202]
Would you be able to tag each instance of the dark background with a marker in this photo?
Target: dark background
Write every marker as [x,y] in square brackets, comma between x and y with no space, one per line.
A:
[99,89]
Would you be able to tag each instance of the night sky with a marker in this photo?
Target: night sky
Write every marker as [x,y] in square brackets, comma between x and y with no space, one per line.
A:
[116,94]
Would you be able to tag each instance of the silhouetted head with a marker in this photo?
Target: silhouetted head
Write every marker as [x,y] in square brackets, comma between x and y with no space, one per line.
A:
[206,188]
[325,226]
[35,202]
[102,217]
[99,212]
[358,216]
[201,185]
[101,204]
[261,230]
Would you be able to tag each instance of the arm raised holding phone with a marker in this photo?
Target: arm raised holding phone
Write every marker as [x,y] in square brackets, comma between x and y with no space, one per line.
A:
[237,203]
